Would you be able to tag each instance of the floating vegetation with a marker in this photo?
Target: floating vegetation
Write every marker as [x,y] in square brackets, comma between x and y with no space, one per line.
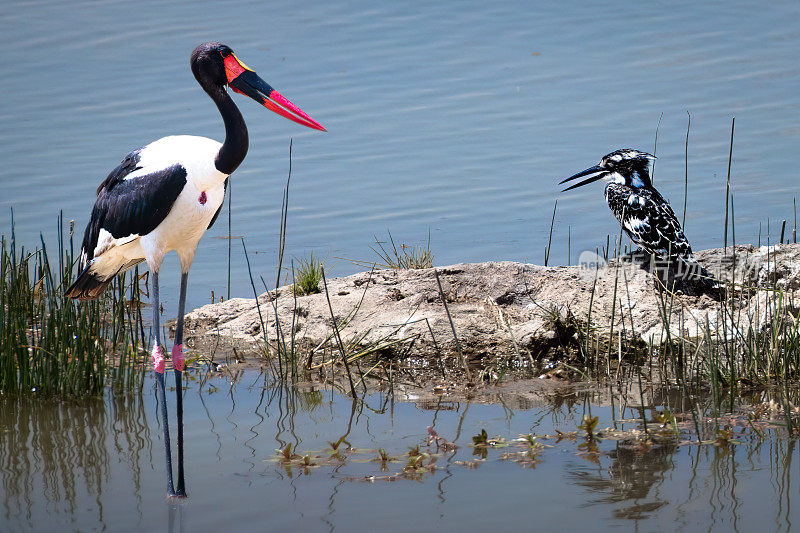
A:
[588,425]
[442,443]
[657,430]
[53,346]
[527,458]
[481,439]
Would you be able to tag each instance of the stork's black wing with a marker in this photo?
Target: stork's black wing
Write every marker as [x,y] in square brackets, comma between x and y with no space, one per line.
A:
[133,206]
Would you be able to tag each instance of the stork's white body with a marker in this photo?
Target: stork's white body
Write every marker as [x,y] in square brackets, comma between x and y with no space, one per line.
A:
[188,217]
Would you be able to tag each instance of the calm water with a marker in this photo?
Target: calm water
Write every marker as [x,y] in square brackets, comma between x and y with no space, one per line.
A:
[453,117]
[450,117]
[100,466]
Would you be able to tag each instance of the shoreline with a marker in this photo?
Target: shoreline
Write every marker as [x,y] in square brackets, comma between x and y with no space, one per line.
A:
[528,314]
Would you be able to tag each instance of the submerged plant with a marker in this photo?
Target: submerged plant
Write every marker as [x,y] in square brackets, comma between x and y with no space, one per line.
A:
[287,454]
[588,425]
[383,456]
[481,439]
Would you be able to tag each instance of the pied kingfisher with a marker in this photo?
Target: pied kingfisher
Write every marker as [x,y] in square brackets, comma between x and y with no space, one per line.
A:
[644,214]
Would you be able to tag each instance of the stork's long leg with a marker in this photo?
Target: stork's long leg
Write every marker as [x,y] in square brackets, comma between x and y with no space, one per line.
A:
[177,364]
[158,363]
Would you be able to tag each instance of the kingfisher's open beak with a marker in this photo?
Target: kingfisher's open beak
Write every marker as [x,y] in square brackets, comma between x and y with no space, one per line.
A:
[597,170]
[244,81]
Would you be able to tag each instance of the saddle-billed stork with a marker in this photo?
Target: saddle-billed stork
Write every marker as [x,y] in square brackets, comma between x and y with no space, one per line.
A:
[164,196]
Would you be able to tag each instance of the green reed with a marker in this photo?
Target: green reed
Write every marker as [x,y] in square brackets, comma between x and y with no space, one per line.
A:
[51,345]
[753,345]
[308,275]
[394,257]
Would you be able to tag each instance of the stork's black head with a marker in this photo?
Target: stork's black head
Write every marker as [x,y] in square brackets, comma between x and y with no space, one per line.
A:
[208,64]
[625,166]
[215,66]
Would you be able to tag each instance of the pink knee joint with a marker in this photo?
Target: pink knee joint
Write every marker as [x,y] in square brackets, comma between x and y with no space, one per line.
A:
[158,359]
[177,357]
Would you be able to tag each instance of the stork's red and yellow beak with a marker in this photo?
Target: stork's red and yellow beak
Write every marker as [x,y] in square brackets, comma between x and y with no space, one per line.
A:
[244,81]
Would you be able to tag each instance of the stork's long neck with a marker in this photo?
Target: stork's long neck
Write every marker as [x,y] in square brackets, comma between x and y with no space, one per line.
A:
[233,150]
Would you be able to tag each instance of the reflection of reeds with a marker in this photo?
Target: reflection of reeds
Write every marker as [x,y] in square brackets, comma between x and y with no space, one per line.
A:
[52,345]
[57,456]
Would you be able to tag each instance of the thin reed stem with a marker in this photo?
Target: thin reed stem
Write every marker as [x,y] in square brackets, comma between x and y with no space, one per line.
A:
[728,183]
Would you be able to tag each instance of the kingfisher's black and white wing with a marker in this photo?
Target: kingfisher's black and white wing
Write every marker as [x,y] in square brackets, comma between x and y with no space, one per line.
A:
[645,216]
[131,202]
[648,220]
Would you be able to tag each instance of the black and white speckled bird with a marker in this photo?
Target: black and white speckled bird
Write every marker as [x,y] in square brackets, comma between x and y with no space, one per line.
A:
[644,214]
[164,196]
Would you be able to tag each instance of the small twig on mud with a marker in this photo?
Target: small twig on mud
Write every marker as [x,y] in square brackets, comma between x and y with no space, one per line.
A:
[339,337]
[436,346]
[452,326]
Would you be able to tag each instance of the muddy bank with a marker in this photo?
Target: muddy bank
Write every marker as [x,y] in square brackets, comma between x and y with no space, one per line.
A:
[497,308]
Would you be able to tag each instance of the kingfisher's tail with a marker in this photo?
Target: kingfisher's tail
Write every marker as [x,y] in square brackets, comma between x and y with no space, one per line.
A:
[697,273]
[687,269]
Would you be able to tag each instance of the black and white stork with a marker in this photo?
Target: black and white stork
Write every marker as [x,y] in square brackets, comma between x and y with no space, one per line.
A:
[164,196]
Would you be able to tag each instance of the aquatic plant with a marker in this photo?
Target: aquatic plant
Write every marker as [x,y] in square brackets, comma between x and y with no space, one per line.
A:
[394,257]
[588,425]
[51,345]
[308,275]
[481,439]
[407,256]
